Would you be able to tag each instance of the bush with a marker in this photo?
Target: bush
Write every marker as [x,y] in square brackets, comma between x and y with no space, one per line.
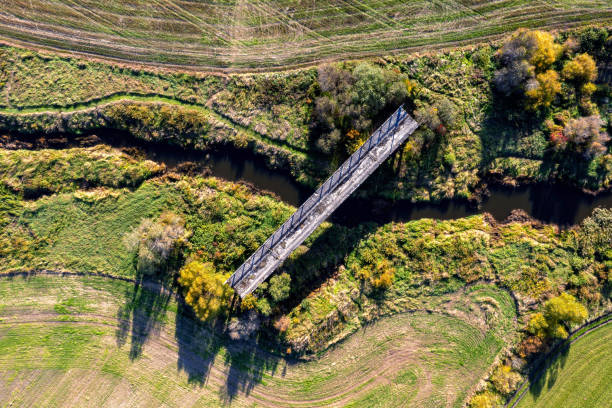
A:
[587,135]
[486,399]
[157,244]
[205,290]
[280,286]
[595,237]
[505,380]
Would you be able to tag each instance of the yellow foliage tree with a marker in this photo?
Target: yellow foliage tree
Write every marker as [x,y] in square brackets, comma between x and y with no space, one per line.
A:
[205,290]
[580,70]
[505,380]
[544,51]
[559,314]
[548,86]
[485,399]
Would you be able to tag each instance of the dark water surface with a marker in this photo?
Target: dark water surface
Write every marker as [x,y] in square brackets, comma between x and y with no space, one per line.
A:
[549,203]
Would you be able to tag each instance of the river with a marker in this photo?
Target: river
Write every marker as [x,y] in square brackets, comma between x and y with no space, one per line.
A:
[548,203]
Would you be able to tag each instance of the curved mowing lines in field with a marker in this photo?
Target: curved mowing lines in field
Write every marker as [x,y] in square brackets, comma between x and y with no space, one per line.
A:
[389,355]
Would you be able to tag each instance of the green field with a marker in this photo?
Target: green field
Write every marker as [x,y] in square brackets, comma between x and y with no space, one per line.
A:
[264,34]
[579,377]
[74,341]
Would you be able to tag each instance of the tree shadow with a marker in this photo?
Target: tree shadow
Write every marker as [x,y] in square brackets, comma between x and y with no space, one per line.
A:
[544,374]
[249,357]
[198,344]
[142,314]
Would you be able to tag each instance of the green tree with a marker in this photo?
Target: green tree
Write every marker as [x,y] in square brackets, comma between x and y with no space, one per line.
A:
[280,286]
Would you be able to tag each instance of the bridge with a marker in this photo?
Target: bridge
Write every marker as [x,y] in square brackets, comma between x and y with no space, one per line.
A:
[380,145]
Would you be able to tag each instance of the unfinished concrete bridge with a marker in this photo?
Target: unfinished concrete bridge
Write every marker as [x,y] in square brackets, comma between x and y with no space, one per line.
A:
[381,144]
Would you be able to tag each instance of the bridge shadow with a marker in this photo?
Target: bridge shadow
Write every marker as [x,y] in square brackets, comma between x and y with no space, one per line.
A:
[323,256]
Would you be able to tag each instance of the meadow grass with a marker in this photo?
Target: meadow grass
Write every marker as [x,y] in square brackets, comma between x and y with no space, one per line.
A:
[579,377]
[45,352]
[264,34]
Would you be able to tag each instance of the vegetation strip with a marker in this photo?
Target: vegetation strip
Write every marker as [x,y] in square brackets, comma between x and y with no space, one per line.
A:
[151,98]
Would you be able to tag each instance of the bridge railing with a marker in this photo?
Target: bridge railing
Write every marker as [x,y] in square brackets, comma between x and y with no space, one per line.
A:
[388,128]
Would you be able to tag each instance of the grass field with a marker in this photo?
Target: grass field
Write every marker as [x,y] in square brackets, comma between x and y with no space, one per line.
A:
[259,34]
[580,377]
[110,341]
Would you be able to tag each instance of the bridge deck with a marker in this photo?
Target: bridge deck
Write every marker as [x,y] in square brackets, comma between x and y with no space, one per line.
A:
[323,202]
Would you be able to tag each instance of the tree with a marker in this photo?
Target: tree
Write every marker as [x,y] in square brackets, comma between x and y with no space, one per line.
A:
[280,286]
[525,54]
[205,290]
[544,91]
[505,380]
[157,243]
[559,314]
[580,70]
[587,135]
[485,399]
[596,233]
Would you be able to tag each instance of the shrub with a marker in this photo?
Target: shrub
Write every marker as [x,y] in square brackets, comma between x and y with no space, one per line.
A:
[486,399]
[282,323]
[596,233]
[505,380]
[280,286]
[587,135]
[205,290]
[157,244]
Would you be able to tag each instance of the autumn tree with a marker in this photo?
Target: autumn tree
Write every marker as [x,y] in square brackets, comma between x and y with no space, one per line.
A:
[205,289]
[559,314]
[486,399]
[525,54]
[542,91]
[587,135]
[156,244]
[580,70]
[505,380]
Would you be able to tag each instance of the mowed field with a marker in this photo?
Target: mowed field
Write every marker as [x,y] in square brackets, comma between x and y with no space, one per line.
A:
[72,341]
[247,34]
[581,377]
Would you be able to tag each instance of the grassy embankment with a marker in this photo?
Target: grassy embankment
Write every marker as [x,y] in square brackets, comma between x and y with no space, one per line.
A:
[272,115]
[264,35]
